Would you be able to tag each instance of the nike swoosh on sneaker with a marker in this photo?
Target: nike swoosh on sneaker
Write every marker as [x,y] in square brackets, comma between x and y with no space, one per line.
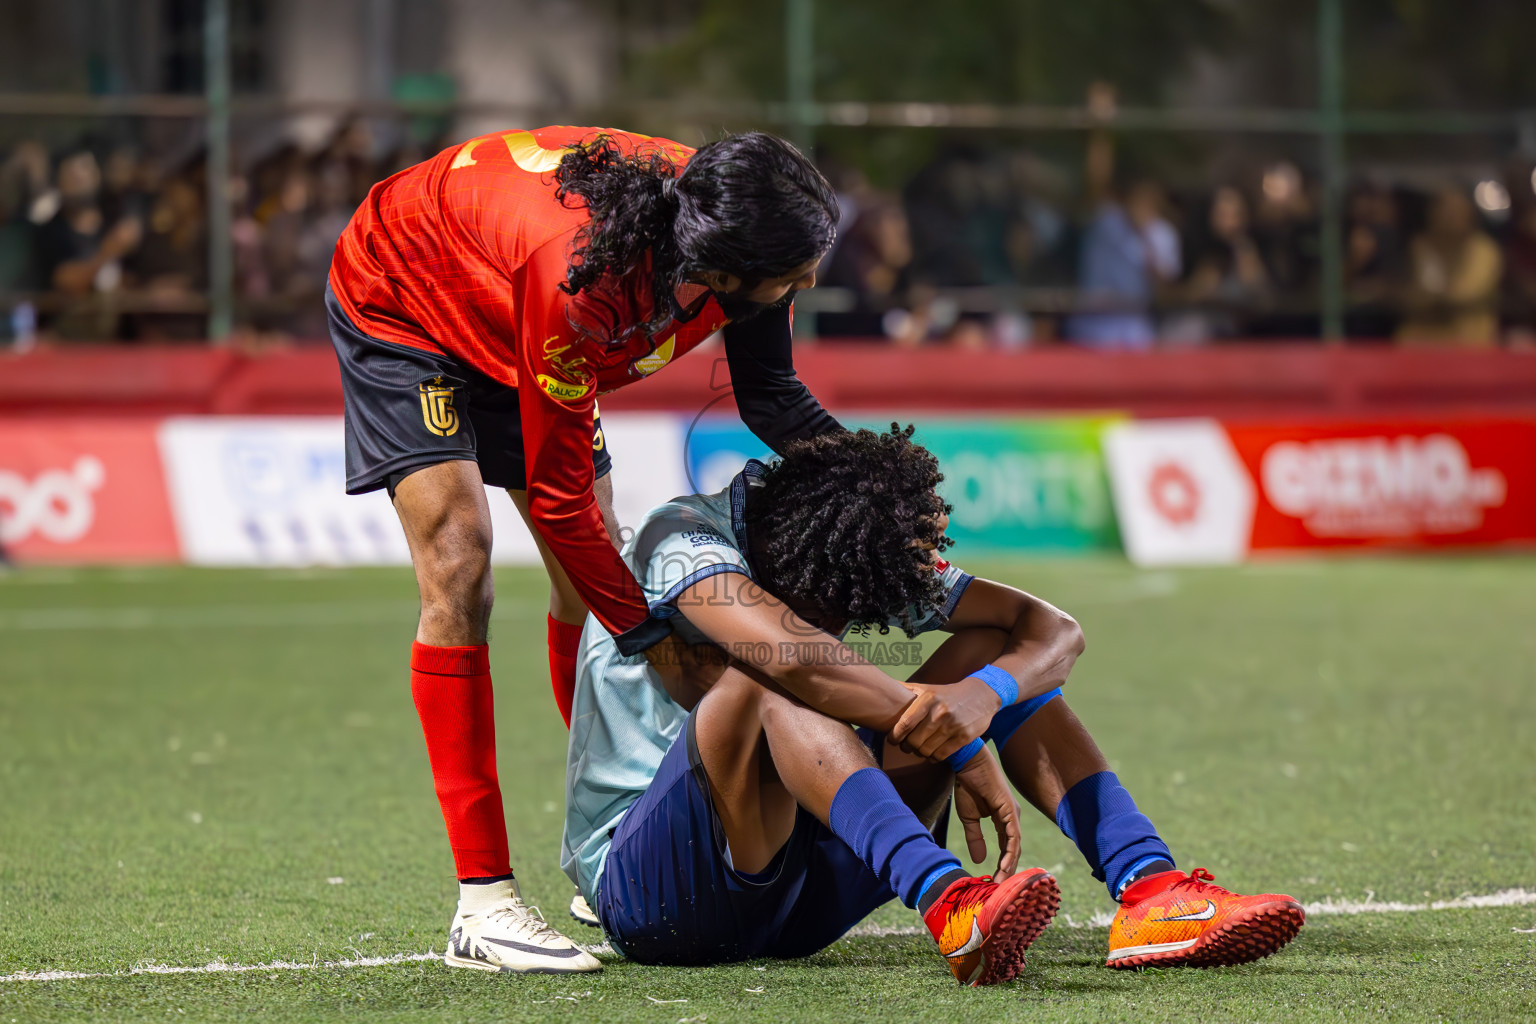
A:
[972,944]
[524,948]
[1204,915]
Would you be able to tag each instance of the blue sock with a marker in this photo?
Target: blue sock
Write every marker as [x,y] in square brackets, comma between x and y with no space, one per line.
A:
[869,816]
[1101,818]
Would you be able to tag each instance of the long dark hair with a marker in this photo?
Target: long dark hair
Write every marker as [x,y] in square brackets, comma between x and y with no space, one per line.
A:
[750,205]
[837,518]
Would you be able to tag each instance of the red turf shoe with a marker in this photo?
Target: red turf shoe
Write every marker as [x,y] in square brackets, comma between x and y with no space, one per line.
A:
[983,927]
[1171,919]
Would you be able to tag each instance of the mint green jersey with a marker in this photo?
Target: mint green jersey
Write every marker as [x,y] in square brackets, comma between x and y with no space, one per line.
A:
[622,720]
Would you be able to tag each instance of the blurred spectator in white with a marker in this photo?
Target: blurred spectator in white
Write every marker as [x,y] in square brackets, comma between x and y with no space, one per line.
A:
[1454,270]
[79,251]
[1129,250]
[1227,279]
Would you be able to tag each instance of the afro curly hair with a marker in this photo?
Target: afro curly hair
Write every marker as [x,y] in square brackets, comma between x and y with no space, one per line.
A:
[841,522]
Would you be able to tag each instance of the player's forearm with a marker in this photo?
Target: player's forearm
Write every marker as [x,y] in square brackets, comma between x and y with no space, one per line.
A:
[859,694]
[770,398]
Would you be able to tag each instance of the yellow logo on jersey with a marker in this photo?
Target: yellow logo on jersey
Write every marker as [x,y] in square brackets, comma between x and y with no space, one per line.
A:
[530,156]
[560,391]
[648,365]
[437,410]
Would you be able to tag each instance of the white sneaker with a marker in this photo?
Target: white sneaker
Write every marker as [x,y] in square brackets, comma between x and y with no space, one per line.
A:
[512,937]
[583,912]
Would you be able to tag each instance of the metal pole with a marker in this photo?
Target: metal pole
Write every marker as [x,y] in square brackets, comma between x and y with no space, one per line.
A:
[1330,90]
[220,247]
[800,70]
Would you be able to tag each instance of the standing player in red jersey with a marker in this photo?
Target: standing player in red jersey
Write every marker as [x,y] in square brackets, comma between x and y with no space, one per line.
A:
[479,303]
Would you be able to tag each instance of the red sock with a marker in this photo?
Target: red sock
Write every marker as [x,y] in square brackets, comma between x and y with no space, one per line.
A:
[564,642]
[452,690]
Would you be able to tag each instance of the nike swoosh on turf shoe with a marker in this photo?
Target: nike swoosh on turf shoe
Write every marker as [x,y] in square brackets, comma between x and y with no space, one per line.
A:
[1204,915]
[972,944]
[541,950]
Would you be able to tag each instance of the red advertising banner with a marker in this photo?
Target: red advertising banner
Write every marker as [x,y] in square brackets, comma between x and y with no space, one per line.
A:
[84,491]
[1397,483]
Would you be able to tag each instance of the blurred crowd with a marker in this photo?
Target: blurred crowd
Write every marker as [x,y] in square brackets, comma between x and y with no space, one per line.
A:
[980,248]
[111,243]
[997,249]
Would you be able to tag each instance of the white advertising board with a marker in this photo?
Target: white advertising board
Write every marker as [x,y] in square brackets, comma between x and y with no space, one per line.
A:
[272,491]
[1182,494]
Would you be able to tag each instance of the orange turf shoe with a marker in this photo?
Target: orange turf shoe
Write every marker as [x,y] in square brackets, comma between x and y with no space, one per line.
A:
[1171,919]
[983,927]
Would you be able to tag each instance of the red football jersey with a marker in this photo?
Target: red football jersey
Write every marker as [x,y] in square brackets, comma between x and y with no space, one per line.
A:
[464,255]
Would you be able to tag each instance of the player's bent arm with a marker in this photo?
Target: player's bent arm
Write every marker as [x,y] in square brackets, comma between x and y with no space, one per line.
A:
[759,630]
[1044,642]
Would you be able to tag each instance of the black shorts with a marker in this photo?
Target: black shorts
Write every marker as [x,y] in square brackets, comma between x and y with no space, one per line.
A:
[407,409]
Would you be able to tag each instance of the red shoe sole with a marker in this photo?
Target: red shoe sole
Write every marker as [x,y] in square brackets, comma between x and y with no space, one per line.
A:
[1251,935]
[1016,927]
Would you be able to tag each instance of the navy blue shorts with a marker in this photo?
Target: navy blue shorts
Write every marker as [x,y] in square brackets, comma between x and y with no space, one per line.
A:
[407,409]
[667,895]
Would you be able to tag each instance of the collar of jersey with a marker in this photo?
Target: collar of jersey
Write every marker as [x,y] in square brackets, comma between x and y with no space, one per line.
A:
[751,475]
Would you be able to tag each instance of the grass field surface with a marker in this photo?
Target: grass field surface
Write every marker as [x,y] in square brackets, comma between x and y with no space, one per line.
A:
[208,767]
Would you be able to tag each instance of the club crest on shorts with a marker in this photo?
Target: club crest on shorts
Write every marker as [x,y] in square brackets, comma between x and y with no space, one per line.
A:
[437,410]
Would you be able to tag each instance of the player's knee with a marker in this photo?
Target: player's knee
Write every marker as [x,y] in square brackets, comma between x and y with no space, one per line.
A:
[454,571]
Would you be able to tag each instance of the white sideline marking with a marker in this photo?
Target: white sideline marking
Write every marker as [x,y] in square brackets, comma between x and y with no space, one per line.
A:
[1502,898]
[1100,919]
[220,967]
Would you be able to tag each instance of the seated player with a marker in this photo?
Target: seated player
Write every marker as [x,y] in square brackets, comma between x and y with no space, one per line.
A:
[718,808]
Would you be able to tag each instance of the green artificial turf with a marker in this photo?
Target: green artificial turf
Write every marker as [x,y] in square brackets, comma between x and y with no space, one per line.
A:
[205,766]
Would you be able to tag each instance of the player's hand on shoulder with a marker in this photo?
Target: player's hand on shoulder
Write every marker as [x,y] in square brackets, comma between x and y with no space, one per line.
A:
[942,719]
[982,792]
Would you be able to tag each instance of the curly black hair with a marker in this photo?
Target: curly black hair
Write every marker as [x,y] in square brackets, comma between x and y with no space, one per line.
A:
[838,522]
[751,205]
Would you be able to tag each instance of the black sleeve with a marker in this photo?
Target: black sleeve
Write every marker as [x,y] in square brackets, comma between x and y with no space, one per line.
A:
[771,399]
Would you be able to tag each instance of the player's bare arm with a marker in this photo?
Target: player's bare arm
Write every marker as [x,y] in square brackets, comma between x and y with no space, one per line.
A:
[1040,645]
[763,632]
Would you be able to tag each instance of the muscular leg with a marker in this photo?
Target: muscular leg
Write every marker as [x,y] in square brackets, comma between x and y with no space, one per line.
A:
[448,527]
[766,753]
[1053,761]
[745,732]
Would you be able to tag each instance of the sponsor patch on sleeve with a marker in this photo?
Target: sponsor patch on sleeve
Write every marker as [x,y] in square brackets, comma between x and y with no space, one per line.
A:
[562,391]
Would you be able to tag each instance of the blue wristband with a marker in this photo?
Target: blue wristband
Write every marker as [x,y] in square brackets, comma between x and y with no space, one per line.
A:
[962,757]
[1004,685]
